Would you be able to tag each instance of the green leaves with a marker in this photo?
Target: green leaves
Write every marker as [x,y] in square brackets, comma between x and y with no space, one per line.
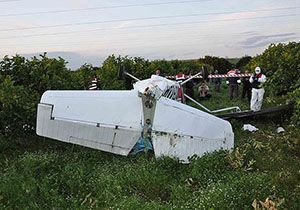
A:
[22,82]
[281,64]
[220,64]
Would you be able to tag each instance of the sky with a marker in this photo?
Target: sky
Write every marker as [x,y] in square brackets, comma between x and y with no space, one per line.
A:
[88,31]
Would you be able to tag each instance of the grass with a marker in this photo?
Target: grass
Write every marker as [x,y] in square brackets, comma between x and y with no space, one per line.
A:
[39,173]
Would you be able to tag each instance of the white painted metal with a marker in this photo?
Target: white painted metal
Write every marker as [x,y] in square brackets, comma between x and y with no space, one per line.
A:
[113,121]
[104,120]
[156,86]
[182,131]
[122,108]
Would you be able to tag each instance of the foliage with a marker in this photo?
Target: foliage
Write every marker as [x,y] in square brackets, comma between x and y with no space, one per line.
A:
[22,82]
[267,204]
[233,61]
[17,108]
[81,77]
[295,96]
[242,63]
[220,64]
[36,74]
[142,69]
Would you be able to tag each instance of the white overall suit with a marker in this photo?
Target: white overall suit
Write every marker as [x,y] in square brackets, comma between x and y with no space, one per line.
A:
[257,89]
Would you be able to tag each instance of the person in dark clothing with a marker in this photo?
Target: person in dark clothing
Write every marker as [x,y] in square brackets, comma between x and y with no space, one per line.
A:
[233,82]
[246,87]
[217,82]
[189,87]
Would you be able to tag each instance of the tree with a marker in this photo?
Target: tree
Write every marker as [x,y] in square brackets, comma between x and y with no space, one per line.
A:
[80,79]
[242,63]
[22,83]
[220,64]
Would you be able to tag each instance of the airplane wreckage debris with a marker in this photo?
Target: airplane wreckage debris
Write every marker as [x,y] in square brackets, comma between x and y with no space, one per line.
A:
[148,117]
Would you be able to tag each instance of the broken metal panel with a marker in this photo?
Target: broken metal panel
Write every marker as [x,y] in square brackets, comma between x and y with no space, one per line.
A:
[157,85]
[183,147]
[90,130]
[182,131]
[174,117]
[271,112]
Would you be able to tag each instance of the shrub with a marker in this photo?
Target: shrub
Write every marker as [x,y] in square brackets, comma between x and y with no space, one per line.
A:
[22,82]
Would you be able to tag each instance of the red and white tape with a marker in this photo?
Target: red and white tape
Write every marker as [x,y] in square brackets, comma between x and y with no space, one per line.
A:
[228,75]
[183,76]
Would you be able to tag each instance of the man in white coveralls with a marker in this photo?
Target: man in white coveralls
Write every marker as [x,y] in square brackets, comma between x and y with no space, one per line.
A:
[257,90]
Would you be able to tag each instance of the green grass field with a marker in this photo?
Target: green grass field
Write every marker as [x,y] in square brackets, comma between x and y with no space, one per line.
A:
[39,173]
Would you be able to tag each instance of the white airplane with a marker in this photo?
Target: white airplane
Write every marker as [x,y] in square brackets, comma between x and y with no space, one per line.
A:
[148,117]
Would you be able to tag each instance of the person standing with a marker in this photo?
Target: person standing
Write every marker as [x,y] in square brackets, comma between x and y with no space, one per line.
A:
[94,83]
[232,81]
[189,86]
[239,82]
[246,87]
[257,90]
[217,82]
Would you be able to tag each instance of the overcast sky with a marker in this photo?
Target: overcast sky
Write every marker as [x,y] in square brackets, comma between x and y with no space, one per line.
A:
[90,30]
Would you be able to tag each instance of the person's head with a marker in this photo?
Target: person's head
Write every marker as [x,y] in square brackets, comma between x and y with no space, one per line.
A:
[246,72]
[257,70]
[157,72]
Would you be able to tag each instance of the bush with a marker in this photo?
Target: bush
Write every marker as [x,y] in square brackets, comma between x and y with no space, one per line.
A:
[17,108]
[220,64]
[243,62]
[295,96]
[22,83]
